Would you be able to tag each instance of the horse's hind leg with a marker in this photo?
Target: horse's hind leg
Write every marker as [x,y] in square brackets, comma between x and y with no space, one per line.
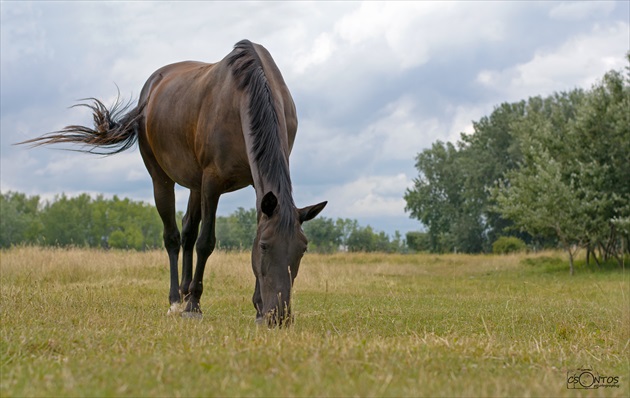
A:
[164,193]
[190,231]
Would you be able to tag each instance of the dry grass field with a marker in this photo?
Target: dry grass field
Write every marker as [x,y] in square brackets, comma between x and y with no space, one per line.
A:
[93,323]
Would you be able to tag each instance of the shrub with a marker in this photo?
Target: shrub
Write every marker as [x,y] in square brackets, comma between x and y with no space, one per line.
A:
[508,244]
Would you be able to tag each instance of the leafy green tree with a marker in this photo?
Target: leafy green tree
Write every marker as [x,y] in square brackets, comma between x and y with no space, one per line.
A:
[540,201]
[128,238]
[450,196]
[486,156]
[361,240]
[438,200]
[323,234]
[418,241]
[125,224]
[573,183]
[19,219]
[381,243]
[365,239]
[236,231]
[604,164]
[67,221]
[397,244]
[346,226]
[508,244]
[585,137]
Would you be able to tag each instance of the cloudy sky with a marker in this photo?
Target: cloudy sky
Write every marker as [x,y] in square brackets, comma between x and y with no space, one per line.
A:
[374,83]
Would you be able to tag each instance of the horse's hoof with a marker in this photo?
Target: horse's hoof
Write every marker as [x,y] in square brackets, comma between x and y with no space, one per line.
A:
[175,309]
[192,315]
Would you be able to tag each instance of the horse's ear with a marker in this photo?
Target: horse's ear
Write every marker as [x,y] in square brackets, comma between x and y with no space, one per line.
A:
[310,212]
[269,203]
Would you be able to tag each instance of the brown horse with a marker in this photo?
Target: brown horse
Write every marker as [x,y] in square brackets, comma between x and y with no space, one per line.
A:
[213,128]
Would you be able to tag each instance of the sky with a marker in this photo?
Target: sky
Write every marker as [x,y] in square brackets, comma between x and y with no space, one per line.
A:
[374,83]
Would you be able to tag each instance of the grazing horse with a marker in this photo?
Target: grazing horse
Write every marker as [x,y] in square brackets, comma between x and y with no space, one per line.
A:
[213,128]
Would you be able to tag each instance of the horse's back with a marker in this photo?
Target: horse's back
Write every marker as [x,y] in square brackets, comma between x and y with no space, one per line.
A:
[192,121]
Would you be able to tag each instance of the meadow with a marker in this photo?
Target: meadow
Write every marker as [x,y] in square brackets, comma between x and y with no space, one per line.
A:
[77,322]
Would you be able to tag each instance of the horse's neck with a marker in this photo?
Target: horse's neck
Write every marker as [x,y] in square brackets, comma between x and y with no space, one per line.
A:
[266,178]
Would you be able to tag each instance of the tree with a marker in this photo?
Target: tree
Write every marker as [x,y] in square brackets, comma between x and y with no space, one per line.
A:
[574,183]
[346,227]
[67,221]
[236,231]
[418,241]
[583,134]
[436,197]
[487,155]
[19,219]
[127,224]
[450,196]
[539,201]
[365,239]
[361,240]
[323,235]
[603,122]
[128,238]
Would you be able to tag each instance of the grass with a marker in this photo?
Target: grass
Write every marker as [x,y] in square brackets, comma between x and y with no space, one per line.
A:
[93,323]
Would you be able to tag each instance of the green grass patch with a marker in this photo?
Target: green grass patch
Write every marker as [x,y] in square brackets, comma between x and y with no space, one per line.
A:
[94,323]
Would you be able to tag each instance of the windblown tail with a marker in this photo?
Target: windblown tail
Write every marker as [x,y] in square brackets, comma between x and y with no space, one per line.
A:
[115,130]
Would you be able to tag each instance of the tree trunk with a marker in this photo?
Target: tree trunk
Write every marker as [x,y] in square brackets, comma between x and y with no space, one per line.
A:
[567,247]
[596,260]
[588,255]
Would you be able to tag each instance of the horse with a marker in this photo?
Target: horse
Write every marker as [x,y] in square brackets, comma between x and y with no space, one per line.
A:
[213,128]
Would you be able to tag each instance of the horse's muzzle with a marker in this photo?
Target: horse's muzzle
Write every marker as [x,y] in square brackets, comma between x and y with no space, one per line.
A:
[274,318]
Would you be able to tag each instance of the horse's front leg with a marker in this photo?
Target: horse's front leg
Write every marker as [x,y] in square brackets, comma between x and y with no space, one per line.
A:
[204,246]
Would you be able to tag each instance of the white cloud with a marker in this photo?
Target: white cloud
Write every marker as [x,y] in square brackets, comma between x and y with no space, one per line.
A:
[579,10]
[402,130]
[322,50]
[126,166]
[387,29]
[463,117]
[411,33]
[369,196]
[578,62]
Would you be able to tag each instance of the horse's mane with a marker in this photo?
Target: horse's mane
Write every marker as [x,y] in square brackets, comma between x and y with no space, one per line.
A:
[267,149]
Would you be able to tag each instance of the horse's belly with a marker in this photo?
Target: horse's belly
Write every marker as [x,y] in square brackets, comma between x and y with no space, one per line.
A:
[175,157]
[182,171]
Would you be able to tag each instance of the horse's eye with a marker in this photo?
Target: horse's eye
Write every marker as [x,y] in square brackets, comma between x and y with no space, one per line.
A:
[264,247]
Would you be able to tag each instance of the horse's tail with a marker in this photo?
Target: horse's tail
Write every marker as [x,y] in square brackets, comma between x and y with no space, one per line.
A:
[115,129]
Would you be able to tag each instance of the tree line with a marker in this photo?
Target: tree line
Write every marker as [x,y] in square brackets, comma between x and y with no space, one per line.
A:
[78,221]
[549,171]
[126,224]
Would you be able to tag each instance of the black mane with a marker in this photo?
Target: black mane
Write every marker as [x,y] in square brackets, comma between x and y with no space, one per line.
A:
[248,71]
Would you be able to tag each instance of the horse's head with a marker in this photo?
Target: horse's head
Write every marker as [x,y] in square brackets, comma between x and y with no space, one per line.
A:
[276,256]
